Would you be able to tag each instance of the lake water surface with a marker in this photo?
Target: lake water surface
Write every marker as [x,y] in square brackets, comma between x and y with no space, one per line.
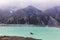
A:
[45,33]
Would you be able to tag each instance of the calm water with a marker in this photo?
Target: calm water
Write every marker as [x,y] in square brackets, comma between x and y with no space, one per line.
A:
[45,33]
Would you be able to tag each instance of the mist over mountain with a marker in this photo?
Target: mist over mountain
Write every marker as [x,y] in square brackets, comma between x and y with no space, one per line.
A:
[31,15]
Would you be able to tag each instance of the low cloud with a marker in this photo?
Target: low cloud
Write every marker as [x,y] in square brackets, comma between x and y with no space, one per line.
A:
[41,4]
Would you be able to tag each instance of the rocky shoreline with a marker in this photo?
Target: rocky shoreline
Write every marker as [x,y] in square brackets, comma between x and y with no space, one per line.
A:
[16,38]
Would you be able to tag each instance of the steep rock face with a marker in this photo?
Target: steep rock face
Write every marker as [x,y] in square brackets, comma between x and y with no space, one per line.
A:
[54,12]
[52,21]
[21,16]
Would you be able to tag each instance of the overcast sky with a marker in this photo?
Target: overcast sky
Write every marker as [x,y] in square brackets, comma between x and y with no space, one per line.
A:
[40,4]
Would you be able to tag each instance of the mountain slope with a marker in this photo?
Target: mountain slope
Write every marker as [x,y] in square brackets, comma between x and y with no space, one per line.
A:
[54,12]
[31,15]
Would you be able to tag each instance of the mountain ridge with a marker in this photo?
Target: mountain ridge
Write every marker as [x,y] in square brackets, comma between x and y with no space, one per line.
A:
[32,15]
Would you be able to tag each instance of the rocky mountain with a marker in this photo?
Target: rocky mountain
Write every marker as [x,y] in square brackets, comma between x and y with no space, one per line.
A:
[54,12]
[28,15]
[31,15]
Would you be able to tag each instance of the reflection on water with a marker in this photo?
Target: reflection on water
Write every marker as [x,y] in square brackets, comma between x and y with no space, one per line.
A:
[45,33]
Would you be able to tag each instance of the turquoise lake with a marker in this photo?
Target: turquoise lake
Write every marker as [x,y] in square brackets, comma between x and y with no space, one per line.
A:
[44,33]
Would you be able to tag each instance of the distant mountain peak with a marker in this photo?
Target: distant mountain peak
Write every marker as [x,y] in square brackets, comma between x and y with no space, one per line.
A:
[31,7]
